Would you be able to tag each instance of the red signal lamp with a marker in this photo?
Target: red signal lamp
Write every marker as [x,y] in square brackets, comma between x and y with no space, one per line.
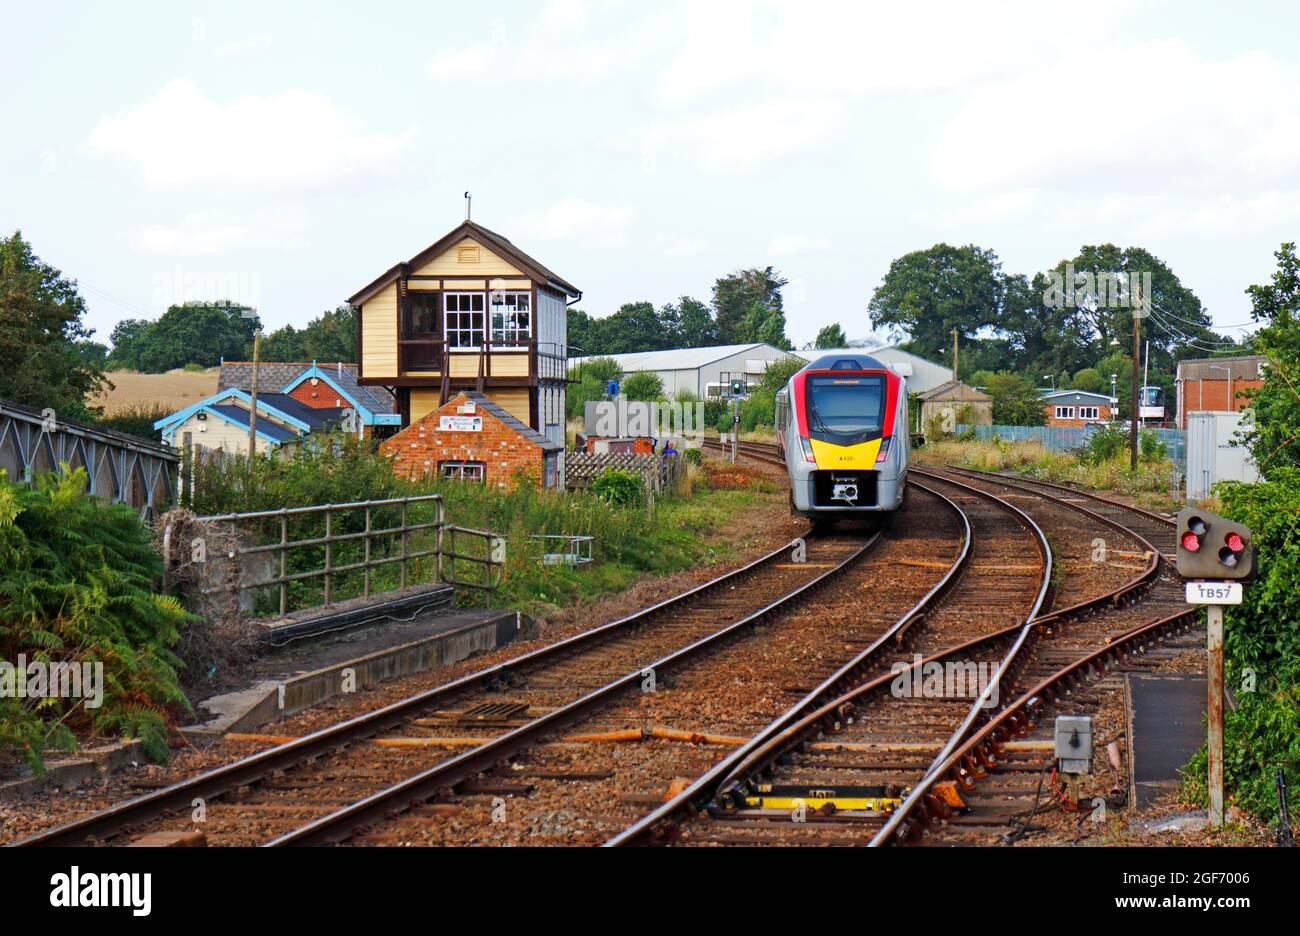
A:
[1191,542]
[1235,542]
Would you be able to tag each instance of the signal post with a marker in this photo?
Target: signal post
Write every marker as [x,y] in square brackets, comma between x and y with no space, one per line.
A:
[1214,554]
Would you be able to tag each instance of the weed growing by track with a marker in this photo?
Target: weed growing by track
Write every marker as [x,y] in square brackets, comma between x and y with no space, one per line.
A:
[637,537]
[1100,467]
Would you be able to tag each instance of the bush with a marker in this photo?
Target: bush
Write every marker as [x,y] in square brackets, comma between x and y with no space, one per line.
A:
[1105,444]
[619,487]
[137,420]
[1150,447]
[76,586]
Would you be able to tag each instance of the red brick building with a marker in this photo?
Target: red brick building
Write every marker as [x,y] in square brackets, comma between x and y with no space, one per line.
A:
[1076,408]
[1215,384]
[473,439]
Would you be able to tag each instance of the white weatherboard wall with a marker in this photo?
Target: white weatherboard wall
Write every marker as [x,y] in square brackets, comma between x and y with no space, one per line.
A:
[1211,454]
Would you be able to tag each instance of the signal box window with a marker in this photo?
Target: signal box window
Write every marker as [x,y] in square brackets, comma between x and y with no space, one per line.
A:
[464,320]
[512,318]
[1089,412]
[1065,412]
[463,471]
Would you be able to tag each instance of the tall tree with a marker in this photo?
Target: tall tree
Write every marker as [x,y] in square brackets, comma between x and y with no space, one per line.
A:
[1275,437]
[198,333]
[734,297]
[832,336]
[1177,327]
[688,323]
[931,292]
[1016,400]
[40,331]
[329,338]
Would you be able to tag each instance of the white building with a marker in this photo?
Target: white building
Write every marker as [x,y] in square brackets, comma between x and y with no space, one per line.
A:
[926,375]
[701,371]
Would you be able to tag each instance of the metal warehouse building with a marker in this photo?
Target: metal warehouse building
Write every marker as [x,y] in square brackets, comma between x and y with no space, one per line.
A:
[926,375]
[701,371]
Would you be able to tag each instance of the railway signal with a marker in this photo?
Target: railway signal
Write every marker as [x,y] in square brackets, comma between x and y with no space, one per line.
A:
[1212,547]
[1214,553]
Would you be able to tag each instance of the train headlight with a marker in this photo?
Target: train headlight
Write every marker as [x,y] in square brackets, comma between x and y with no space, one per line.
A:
[884,450]
[808,455]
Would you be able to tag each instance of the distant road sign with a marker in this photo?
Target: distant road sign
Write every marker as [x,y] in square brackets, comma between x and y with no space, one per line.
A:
[1214,593]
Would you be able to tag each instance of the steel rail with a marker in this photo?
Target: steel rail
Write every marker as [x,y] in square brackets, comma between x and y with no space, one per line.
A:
[777,734]
[982,747]
[221,780]
[985,740]
[791,727]
[444,776]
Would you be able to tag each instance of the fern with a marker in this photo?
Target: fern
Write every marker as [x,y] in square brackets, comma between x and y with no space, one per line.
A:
[76,585]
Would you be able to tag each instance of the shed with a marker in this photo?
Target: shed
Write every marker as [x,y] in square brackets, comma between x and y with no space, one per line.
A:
[955,404]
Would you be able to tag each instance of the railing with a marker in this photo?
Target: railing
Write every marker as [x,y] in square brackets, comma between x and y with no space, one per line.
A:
[445,550]
[558,549]
[120,468]
[546,360]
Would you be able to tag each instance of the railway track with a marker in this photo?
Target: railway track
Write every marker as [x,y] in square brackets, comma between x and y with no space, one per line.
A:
[825,750]
[606,772]
[453,732]
[883,742]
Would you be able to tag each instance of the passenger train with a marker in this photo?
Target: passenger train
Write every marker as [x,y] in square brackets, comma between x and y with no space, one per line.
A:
[842,427]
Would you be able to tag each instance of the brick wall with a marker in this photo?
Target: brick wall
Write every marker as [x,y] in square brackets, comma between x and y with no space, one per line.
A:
[419,449]
[1213,395]
[321,396]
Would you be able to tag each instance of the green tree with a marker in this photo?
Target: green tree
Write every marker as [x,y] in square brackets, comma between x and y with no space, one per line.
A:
[1089,379]
[931,292]
[688,323]
[734,298]
[1274,439]
[644,386]
[41,335]
[128,339]
[1178,326]
[832,336]
[1016,400]
[582,333]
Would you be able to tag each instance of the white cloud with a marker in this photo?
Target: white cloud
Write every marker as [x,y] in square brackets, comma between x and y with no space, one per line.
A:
[576,219]
[295,139]
[798,244]
[559,45]
[1132,119]
[200,234]
[850,48]
[741,137]
[248,46]
[685,245]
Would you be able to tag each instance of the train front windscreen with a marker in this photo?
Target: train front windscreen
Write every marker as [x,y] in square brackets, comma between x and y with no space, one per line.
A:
[850,409]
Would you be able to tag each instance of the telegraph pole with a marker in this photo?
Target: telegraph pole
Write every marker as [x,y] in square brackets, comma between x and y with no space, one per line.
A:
[956,373]
[1137,388]
[252,416]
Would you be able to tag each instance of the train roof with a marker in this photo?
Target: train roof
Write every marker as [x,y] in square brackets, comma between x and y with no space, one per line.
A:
[846,361]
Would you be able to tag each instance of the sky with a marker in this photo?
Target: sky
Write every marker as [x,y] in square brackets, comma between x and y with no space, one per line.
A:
[285,154]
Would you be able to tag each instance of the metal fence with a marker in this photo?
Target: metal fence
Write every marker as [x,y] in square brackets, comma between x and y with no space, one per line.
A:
[448,548]
[119,467]
[1070,438]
